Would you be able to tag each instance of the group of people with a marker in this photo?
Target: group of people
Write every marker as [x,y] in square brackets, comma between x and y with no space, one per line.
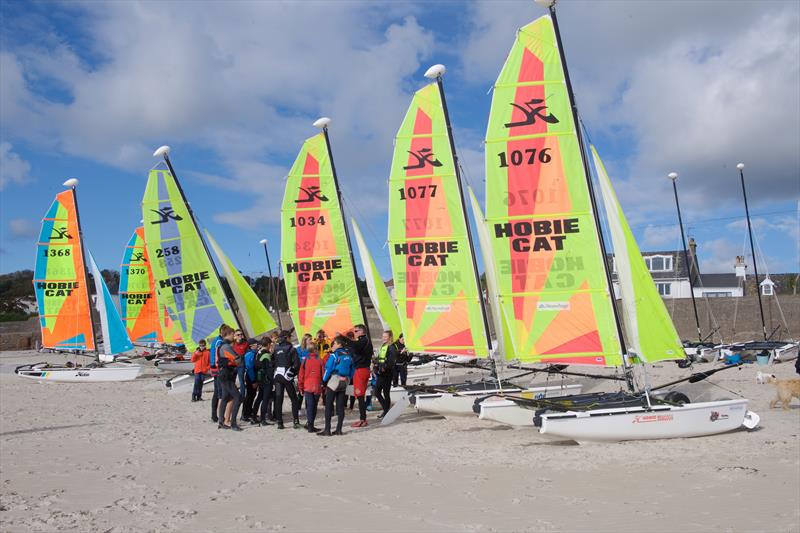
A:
[257,374]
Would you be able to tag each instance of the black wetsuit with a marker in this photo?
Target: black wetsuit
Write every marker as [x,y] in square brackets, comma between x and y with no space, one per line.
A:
[287,364]
[227,377]
[264,372]
[362,358]
[384,367]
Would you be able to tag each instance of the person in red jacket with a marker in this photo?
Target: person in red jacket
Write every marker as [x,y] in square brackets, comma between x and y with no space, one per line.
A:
[309,382]
[202,366]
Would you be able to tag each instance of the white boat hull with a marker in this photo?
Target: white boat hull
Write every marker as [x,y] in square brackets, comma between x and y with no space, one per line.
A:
[639,423]
[178,367]
[83,375]
[461,403]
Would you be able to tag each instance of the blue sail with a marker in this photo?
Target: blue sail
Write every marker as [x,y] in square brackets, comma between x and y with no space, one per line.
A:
[115,336]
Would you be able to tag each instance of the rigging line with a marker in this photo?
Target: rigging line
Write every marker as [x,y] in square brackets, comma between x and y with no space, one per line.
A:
[723,388]
[708,221]
[362,222]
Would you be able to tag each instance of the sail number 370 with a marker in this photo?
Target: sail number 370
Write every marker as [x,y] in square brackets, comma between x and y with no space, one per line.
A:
[529,156]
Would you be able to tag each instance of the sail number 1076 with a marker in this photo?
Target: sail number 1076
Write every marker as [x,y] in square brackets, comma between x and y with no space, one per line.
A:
[529,156]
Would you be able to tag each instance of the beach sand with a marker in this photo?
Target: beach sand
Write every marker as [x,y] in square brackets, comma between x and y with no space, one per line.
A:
[128,457]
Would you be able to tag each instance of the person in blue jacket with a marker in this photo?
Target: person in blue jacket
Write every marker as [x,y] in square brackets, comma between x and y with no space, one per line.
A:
[339,369]
[250,381]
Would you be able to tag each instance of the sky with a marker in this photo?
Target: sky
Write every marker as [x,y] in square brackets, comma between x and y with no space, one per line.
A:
[89,90]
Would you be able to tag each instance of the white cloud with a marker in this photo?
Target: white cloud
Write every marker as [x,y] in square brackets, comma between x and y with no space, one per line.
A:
[22,228]
[661,238]
[13,169]
[718,255]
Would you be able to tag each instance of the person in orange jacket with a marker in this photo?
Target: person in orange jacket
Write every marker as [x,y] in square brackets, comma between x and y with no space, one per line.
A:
[309,382]
[202,366]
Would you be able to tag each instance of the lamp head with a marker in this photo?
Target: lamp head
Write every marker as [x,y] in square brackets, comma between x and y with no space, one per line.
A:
[263,241]
[740,166]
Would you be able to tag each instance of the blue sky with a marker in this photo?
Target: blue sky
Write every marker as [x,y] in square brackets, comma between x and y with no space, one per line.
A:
[91,89]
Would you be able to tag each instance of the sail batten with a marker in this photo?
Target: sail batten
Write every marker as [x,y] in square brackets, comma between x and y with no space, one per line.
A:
[184,273]
[438,297]
[553,291]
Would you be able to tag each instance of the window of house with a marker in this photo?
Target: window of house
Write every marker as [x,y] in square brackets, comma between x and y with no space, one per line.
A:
[766,289]
[664,289]
[658,263]
[718,294]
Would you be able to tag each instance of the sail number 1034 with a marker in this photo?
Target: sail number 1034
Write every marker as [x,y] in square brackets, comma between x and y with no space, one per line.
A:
[529,156]
[310,220]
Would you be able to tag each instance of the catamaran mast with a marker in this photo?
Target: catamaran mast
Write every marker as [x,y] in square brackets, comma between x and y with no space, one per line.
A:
[272,288]
[740,166]
[436,72]
[673,176]
[164,152]
[72,183]
[323,123]
[550,5]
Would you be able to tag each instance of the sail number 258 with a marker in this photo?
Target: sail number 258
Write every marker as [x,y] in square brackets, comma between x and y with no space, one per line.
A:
[529,156]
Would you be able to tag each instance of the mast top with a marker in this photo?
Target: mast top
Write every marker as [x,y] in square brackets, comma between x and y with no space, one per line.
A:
[162,151]
[436,71]
[72,182]
[546,3]
[263,241]
[740,166]
[673,176]
[322,122]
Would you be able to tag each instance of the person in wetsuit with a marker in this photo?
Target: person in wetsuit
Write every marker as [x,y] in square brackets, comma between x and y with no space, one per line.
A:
[228,362]
[224,331]
[400,375]
[362,352]
[339,367]
[383,368]
[287,364]
[264,373]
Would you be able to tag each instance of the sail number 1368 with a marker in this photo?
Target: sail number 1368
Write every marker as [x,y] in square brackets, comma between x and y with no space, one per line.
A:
[529,156]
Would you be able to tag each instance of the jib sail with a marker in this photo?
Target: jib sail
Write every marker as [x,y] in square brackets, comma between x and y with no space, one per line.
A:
[437,294]
[552,283]
[115,337]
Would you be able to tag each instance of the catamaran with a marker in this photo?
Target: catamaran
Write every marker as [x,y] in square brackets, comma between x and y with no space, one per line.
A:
[558,300]
[61,283]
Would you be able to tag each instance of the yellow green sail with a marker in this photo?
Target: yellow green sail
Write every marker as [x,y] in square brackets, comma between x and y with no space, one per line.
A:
[255,318]
[649,329]
[137,296]
[437,295]
[378,293]
[184,275]
[552,284]
[318,273]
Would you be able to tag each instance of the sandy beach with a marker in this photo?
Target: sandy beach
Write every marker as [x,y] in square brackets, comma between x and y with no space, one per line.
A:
[128,457]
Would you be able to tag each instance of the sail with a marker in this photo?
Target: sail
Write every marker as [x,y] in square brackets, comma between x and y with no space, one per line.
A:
[648,326]
[170,326]
[185,278]
[318,272]
[378,293]
[59,280]
[552,283]
[434,275]
[137,297]
[115,336]
[254,316]
[498,316]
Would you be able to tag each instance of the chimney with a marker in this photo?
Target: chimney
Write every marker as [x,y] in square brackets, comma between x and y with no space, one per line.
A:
[740,268]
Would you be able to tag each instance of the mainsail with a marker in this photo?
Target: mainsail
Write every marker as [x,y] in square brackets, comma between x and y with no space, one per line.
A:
[170,326]
[437,293]
[185,277]
[316,259]
[378,293]
[552,283]
[137,295]
[60,279]
[649,329]
[254,316]
[115,337]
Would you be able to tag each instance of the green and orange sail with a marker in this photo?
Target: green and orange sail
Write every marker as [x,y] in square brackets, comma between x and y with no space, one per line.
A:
[60,280]
[315,254]
[436,289]
[552,288]
[137,296]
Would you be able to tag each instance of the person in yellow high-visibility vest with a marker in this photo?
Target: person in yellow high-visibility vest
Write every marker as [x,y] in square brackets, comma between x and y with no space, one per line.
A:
[383,367]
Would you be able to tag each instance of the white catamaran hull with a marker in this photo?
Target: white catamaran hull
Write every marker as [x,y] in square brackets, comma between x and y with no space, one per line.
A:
[177,367]
[461,403]
[82,375]
[640,423]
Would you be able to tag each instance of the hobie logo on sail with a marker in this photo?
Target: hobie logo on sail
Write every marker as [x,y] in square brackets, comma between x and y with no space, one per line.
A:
[132,298]
[165,215]
[138,256]
[545,235]
[312,193]
[424,157]
[57,288]
[314,270]
[184,283]
[60,233]
[427,253]
[532,110]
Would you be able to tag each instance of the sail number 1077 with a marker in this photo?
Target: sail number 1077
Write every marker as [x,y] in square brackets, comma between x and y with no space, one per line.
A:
[417,191]
[529,156]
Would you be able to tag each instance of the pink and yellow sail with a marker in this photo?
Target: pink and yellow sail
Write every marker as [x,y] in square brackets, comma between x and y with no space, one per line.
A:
[315,256]
[437,294]
[59,279]
[552,284]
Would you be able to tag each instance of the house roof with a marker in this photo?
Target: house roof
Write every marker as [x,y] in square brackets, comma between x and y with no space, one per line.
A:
[718,281]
